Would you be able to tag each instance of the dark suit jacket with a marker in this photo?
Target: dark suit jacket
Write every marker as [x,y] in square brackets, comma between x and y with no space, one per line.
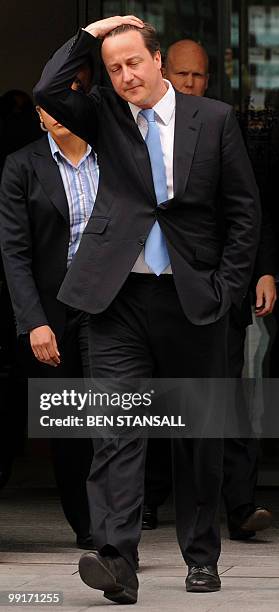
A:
[34,233]
[210,166]
[266,263]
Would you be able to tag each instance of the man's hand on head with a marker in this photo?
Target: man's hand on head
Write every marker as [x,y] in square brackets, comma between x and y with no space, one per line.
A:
[44,345]
[101,28]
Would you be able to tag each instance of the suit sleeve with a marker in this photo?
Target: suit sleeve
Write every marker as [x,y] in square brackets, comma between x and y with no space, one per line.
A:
[267,255]
[242,212]
[16,248]
[73,109]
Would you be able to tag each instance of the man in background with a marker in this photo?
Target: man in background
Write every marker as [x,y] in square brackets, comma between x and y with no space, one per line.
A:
[187,68]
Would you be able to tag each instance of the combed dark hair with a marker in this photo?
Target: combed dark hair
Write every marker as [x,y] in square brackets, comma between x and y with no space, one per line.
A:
[148,33]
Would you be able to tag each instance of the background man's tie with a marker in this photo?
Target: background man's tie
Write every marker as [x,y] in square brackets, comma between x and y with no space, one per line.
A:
[155,251]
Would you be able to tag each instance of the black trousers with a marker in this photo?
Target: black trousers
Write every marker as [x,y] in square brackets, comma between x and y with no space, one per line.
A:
[274,351]
[240,454]
[143,332]
[72,458]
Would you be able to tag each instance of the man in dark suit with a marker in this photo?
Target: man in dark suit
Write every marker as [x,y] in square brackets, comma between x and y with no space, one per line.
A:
[41,218]
[187,68]
[156,274]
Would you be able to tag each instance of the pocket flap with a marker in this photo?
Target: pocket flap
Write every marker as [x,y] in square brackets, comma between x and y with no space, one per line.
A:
[96,225]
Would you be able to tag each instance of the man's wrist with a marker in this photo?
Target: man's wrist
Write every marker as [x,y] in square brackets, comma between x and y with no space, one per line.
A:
[92,31]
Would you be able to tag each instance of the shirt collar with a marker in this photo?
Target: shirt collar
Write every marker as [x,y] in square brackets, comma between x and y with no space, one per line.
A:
[164,109]
[56,151]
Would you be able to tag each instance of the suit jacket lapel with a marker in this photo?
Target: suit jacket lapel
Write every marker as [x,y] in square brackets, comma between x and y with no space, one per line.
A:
[50,178]
[139,152]
[141,157]
[186,134]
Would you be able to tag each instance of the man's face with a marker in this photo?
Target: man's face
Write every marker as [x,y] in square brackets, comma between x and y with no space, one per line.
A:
[187,70]
[135,74]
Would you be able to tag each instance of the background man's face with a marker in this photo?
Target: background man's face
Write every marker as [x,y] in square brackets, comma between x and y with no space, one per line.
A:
[187,69]
[55,128]
[135,74]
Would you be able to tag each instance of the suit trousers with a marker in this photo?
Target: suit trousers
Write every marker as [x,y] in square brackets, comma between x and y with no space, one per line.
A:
[72,457]
[145,332]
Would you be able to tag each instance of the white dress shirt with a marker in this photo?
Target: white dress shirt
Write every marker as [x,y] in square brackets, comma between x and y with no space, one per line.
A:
[165,120]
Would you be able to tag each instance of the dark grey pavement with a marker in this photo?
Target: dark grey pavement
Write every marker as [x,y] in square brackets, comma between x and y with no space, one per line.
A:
[38,554]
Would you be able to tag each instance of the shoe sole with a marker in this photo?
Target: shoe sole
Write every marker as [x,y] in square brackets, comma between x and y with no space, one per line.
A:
[243,537]
[148,528]
[97,576]
[202,589]
[258,521]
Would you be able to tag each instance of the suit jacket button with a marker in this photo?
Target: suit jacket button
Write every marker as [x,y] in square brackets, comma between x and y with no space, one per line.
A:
[142,240]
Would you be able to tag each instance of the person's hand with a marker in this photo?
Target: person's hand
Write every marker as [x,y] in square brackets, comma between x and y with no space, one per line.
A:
[44,346]
[99,29]
[265,295]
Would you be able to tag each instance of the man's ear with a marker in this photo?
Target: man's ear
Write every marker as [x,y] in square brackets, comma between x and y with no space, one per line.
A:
[158,58]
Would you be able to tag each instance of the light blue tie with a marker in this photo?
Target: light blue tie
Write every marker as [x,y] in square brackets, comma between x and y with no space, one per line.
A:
[155,251]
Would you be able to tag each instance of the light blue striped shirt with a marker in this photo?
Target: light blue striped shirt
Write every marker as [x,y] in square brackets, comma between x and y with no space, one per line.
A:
[80,184]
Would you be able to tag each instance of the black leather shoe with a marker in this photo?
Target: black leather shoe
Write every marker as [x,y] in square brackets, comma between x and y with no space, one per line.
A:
[113,575]
[85,542]
[203,579]
[149,518]
[241,536]
[258,520]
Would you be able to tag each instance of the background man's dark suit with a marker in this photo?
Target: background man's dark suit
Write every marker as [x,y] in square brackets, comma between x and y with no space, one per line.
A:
[35,231]
[241,455]
[209,275]
[187,67]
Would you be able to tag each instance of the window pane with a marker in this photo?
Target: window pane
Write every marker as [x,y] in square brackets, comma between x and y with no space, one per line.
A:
[263,53]
[112,7]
